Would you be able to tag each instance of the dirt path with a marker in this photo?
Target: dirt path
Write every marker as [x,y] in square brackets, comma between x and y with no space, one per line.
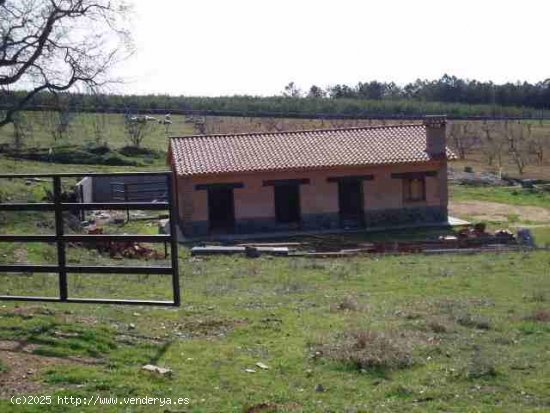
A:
[494,211]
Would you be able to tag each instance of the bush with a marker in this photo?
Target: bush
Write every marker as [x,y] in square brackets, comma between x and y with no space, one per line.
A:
[370,350]
[468,320]
[73,154]
[481,366]
[98,150]
[540,315]
[3,367]
[137,151]
[116,159]
[349,303]
[438,326]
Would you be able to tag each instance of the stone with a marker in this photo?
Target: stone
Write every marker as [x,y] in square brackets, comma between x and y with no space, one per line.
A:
[262,365]
[156,369]
[250,370]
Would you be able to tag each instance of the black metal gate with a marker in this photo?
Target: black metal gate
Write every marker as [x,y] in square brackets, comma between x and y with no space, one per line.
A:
[61,239]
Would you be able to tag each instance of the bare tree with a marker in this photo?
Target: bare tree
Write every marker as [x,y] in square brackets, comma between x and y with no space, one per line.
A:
[57,45]
[57,122]
[99,127]
[138,127]
[539,144]
[493,142]
[22,130]
[518,136]
[460,136]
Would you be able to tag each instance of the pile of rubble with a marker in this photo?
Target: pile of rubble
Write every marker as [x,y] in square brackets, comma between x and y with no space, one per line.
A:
[476,178]
[474,238]
[121,249]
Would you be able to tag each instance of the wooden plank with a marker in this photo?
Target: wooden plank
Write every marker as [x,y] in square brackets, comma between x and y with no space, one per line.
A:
[272,244]
[216,250]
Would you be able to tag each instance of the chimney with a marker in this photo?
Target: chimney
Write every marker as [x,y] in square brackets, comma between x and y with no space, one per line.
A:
[435,134]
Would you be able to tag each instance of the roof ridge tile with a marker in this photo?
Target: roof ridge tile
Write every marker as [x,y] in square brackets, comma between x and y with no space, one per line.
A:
[286,132]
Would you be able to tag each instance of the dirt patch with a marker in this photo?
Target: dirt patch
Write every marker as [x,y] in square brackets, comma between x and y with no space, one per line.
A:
[20,367]
[21,371]
[494,211]
[203,328]
[270,407]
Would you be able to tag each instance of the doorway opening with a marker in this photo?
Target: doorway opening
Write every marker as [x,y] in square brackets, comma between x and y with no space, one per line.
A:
[221,210]
[287,204]
[350,200]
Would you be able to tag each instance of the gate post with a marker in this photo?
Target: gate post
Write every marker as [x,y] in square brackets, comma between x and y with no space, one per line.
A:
[61,256]
[173,239]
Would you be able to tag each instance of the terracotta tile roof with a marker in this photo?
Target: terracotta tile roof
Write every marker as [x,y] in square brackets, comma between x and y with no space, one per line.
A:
[323,148]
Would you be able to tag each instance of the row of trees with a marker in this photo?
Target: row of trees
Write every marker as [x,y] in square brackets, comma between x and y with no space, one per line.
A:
[284,106]
[522,143]
[50,47]
[57,127]
[446,89]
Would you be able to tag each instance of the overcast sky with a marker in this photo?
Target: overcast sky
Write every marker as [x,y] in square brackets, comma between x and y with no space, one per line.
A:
[224,47]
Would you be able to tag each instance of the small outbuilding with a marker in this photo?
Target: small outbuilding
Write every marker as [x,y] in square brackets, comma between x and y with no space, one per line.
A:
[326,179]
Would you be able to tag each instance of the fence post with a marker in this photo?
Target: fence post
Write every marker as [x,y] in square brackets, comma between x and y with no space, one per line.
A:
[126,200]
[61,257]
[173,239]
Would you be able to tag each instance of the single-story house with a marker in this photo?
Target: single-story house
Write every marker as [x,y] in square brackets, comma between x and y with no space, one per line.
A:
[325,179]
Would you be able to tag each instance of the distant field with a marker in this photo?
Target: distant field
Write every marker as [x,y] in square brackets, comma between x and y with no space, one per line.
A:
[83,129]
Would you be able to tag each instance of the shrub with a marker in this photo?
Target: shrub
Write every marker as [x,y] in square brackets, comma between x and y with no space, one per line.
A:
[349,303]
[438,326]
[481,366]
[3,367]
[540,315]
[370,350]
[137,151]
[468,320]
[73,154]
[99,150]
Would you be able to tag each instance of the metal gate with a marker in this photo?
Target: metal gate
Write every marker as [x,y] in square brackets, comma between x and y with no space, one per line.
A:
[58,206]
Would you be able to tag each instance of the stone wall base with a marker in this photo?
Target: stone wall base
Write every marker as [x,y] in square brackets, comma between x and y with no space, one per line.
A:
[372,218]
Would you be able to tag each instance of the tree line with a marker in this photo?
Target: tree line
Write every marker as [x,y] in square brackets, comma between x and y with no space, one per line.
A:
[302,106]
[448,88]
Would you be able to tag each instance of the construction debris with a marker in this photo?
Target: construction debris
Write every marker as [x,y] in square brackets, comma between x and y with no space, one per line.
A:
[474,238]
[272,244]
[525,237]
[121,249]
[218,249]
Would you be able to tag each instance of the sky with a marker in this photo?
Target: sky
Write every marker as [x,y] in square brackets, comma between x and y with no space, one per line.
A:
[226,47]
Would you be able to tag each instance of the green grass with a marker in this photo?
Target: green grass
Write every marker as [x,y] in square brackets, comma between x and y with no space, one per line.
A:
[81,131]
[80,142]
[486,352]
[505,195]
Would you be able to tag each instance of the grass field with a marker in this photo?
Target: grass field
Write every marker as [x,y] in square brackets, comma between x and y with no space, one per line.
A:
[389,334]
[443,333]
